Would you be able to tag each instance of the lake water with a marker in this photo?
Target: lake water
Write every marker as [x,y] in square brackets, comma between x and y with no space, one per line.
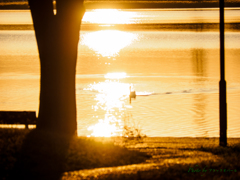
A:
[175,73]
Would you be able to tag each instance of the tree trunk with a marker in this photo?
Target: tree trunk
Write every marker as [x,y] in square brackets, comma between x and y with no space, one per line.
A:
[57,38]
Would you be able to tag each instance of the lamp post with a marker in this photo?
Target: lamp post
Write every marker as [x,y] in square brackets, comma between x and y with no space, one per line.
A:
[222,83]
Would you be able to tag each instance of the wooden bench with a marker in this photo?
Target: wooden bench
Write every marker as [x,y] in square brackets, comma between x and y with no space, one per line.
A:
[18,117]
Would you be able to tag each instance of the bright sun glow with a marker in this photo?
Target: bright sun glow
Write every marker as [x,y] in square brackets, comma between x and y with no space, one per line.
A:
[105,128]
[115,75]
[107,42]
[108,16]
[111,94]
[111,99]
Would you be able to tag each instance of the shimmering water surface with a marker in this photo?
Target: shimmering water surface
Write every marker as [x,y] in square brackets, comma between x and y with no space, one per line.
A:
[175,73]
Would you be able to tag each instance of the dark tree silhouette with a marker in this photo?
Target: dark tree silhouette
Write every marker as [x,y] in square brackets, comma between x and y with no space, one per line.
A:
[57,38]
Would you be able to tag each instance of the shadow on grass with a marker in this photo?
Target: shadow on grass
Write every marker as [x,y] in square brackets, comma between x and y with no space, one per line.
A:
[226,166]
[190,163]
[45,155]
[229,155]
[42,156]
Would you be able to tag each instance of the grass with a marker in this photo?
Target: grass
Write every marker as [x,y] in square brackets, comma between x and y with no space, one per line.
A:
[175,158]
[50,154]
[90,158]
[132,132]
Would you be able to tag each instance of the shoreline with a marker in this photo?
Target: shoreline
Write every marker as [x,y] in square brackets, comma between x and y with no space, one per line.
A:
[132,5]
[149,139]
[147,158]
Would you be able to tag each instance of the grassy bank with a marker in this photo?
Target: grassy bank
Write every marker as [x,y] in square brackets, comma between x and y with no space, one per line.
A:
[84,158]
[175,158]
[41,155]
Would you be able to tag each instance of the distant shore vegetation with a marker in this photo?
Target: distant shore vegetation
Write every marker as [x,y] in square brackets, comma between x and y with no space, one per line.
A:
[132,4]
[147,1]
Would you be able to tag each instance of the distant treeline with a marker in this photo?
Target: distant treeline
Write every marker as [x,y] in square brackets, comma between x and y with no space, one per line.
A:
[147,1]
[12,0]
[132,4]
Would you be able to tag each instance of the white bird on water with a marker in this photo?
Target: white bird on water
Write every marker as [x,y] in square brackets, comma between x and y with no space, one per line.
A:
[132,93]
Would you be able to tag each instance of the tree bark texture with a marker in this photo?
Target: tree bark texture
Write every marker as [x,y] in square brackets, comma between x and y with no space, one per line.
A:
[57,38]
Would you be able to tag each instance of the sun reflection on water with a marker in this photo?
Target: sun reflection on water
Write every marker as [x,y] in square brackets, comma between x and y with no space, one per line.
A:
[111,98]
[109,16]
[115,75]
[107,43]
[110,126]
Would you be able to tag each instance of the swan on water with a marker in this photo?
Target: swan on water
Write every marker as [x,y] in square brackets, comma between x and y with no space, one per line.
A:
[132,93]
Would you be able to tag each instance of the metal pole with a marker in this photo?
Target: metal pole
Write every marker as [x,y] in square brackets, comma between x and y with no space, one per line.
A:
[222,83]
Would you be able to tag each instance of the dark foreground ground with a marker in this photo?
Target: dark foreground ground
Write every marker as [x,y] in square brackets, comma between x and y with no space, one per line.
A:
[135,4]
[174,158]
[38,155]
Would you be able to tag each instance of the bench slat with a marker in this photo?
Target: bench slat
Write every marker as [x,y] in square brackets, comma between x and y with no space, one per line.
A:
[18,117]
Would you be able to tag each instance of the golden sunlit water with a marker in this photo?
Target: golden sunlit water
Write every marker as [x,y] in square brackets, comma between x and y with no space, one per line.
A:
[108,42]
[175,74]
[109,16]
[111,99]
[125,16]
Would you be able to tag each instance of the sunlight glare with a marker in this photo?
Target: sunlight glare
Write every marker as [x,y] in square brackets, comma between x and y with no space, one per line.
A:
[108,43]
[111,94]
[108,16]
[111,99]
[105,128]
[115,75]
